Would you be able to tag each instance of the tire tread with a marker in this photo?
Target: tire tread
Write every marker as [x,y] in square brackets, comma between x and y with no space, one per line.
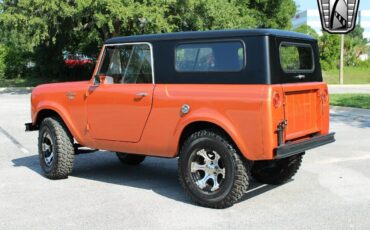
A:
[286,170]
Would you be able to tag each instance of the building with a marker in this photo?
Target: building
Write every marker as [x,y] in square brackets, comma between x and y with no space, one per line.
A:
[311,17]
[364,21]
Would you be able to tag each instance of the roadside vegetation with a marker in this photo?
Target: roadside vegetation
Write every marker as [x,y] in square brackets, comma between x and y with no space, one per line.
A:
[34,35]
[351,100]
[352,75]
[355,70]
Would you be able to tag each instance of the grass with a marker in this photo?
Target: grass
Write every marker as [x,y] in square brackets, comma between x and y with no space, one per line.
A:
[352,75]
[351,100]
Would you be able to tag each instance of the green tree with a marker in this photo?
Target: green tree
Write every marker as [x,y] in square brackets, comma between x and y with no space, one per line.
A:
[329,45]
[306,29]
[354,46]
[272,14]
[2,60]
[39,30]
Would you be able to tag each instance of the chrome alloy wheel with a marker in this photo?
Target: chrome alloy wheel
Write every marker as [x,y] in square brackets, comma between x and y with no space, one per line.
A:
[47,148]
[207,170]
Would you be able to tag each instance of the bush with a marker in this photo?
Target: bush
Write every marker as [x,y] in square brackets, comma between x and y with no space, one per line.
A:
[14,62]
[327,66]
[364,64]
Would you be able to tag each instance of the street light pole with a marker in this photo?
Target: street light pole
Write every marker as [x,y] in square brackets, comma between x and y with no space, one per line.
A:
[341,59]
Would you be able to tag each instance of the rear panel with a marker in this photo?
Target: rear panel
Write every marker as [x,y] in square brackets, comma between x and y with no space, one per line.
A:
[304,109]
[296,76]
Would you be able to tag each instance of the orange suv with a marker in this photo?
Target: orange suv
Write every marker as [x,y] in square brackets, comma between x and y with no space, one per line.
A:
[231,105]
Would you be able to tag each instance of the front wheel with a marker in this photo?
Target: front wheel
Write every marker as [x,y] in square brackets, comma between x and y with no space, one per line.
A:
[56,149]
[211,170]
[276,172]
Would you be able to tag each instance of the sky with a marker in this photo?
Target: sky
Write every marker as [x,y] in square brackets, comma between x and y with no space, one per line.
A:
[312,4]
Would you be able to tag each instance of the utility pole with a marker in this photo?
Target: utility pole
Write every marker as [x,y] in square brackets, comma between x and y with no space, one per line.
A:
[341,59]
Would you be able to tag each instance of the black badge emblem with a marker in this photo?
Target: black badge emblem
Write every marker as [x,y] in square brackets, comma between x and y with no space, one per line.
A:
[338,16]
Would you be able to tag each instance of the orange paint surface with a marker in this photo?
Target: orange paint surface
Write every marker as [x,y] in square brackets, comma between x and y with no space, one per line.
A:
[115,117]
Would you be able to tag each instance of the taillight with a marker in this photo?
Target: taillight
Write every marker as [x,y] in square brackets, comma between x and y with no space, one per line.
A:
[277,100]
[325,95]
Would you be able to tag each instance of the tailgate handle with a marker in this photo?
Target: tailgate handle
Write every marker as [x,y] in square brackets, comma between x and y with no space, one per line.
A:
[300,76]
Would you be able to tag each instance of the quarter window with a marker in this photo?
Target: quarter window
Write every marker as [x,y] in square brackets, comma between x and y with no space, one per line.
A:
[127,63]
[210,57]
[296,57]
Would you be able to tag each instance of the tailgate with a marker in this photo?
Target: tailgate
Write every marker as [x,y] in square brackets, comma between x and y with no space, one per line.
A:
[303,108]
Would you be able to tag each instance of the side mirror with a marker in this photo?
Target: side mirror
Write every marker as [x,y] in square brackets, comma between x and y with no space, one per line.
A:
[99,79]
[102,80]
[96,80]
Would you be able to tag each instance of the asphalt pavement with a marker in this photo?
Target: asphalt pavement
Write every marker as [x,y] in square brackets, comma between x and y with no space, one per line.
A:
[331,190]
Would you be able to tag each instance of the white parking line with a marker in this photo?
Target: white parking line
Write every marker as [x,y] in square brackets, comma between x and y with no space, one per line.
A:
[14,141]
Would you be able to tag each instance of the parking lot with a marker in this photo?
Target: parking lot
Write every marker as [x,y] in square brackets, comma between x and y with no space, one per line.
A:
[331,190]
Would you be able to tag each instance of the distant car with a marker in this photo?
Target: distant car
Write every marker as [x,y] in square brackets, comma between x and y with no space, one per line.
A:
[77,60]
[230,105]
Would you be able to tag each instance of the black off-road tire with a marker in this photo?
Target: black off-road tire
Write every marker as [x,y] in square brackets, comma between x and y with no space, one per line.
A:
[63,149]
[236,180]
[276,172]
[130,159]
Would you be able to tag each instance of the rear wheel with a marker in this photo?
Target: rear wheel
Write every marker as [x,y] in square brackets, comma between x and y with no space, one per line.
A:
[276,171]
[211,170]
[56,149]
[130,159]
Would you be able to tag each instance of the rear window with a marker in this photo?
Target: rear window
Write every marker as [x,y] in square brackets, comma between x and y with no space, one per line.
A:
[210,57]
[296,57]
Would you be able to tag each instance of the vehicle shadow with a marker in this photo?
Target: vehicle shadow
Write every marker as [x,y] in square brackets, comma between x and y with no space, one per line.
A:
[156,174]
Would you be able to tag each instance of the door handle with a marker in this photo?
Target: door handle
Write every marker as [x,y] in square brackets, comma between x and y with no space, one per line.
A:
[141,94]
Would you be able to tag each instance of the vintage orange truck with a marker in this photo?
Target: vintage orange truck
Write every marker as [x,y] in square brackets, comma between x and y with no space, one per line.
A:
[230,105]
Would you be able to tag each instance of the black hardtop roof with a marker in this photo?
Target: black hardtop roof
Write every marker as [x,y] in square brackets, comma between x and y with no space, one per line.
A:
[209,34]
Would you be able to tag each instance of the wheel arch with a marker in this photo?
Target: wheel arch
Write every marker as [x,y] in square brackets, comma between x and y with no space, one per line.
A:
[195,126]
[52,112]
[44,113]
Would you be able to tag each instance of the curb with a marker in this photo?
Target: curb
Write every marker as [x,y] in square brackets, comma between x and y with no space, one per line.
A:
[349,86]
[15,90]
[349,89]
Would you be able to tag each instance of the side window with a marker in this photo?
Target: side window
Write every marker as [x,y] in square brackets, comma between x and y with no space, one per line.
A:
[210,57]
[296,57]
[127,63]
